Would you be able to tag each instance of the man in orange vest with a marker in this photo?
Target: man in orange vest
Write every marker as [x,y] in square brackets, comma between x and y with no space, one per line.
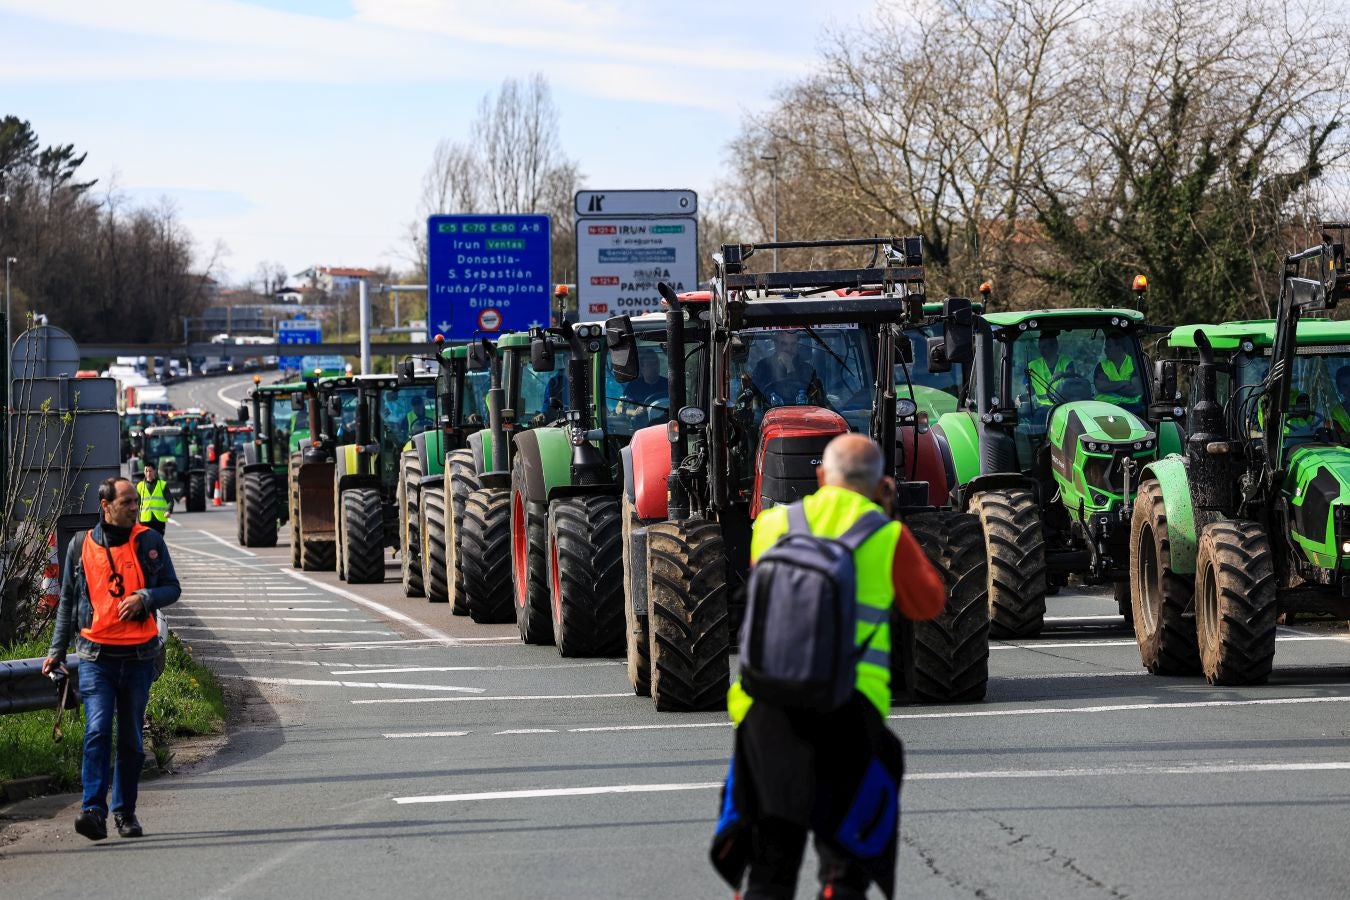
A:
[116,577]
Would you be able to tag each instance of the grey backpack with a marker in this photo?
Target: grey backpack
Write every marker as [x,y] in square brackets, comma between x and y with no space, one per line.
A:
[798,639]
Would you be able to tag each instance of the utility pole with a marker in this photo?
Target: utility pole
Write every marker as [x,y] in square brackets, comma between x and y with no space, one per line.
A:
[365,327]
[772,160]
[9,337]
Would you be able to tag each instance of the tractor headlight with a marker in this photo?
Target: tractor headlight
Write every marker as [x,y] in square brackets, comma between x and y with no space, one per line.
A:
[1345,547]
[692,415]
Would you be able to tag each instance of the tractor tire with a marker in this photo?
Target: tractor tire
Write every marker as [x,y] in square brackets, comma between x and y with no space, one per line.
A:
[1124,605]
[1160,599]
[212,476]
[317,556]
[529,562]
[1015,546]
[196,492]
[1235,603]
[432,529]
[585,573]
[227,492]
[689,620]
[485,553]
[260,510]
[461,480]
[362,536]
[951,652]
[240,518]
[638,635]
[409,530]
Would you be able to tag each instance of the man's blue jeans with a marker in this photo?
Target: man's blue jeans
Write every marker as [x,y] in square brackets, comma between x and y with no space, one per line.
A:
[114,689]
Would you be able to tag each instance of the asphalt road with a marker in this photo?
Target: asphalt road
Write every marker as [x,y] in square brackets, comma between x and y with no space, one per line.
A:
[383,745]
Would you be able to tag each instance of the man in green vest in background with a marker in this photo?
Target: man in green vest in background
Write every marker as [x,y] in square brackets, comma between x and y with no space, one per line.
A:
[156,500]
[1047,369]
[1116,379]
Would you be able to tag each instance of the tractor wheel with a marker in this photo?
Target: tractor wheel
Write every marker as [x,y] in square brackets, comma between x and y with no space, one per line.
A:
[1016,550]
[687,596]
[461,479]
[585,573]
[240,518]
[227,492]
[529,562]
[362,536]
[260,510]
[1123,604]
[431,509]
[409,521]
[485,555]
[212,476]
[1160,598]
[635,627]
[317,556]
[196,492]
[951,652]
[1235,606]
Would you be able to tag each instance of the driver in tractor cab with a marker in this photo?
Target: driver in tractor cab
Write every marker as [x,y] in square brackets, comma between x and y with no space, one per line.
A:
[418,419]
[1116,379]
[643,396]
[785,379]
[1046,369]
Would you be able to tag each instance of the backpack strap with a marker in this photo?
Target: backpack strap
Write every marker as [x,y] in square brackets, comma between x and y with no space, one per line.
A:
[796,515]
[869,524]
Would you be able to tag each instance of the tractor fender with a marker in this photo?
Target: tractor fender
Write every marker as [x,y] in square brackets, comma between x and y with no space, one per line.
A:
[431,481]
[430,451]
[357,480]
[480,445]
[1001,481]
[345,462]
[1175,482]
[546,458]
[1171,439]
[649,455]
[626,464]
[924,460]
[256,467]
[963,442]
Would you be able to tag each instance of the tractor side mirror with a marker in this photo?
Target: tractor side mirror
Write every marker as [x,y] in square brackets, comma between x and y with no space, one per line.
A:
[541,351]
[298,401]
[623,356]
[958,334]
[938,362]
[480,356]
[1166,405]
[405,371]
[904,349]
[242,412]
[335,407]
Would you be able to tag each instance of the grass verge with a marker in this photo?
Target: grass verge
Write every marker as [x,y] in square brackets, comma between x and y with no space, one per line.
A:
[185,700]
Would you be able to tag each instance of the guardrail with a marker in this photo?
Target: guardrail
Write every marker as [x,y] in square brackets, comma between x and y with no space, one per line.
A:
[23,687]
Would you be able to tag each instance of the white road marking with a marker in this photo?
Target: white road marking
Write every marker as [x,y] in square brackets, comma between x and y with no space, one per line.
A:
[278,630]
[406,669]
[426,734]
[241,659]
[321,645]
[216,537]
[201,618]
[528,731]
[1039,645]
[175,546]
[1141,673]
[215,609]
[1233,768]
[512,697]
[380,608]
[491,640]
[1117,618]
[232,404]
[651,727]
[561,792]
[384,685]
[1117,707]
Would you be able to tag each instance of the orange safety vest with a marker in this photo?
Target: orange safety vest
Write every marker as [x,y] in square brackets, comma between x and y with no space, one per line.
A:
[112,574]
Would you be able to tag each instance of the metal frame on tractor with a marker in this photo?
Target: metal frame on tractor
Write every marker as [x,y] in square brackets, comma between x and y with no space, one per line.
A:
[694,500]
[260,471]
[1251,521]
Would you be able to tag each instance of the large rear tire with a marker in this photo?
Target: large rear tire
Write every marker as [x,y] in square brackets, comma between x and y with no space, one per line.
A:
[485,551]
[689,621]
[260,509]
[1160,598]
[362,536]
[637,634]
[585,573]
[951,652]
[1015,545]
[409,525]
[196,492]
[461,481]
[1235,603]
[432,529]
[529,562]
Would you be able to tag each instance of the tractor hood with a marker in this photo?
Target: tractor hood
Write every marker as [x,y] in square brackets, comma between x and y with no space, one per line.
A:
[1317,489]
[1090,442]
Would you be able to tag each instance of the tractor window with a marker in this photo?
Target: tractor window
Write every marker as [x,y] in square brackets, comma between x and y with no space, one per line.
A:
[345,426]
[406,411]
[163,445]
[1319,397]
[281,426]
[643,402]
[540,397]
[935,392]
[474,400]
[829,367]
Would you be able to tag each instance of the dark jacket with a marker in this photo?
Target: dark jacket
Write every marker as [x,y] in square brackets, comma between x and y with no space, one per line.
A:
[76,611]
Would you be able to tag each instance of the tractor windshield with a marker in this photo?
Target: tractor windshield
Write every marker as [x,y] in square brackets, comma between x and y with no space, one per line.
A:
[934,392]
[1052,367]
[406,411]
[162,446]
[828,367]
[646,400]
[1319,396]
[474,401]
[540,397]
[344,428]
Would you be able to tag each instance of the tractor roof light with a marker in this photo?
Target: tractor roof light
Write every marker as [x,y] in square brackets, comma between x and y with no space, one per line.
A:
[986,288]
[1140,285]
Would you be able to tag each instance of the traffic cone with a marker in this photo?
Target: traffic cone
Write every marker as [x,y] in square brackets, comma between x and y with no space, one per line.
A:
[215,499]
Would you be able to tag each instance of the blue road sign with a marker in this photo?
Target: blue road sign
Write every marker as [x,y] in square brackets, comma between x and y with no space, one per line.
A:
[295,332]
[487,274]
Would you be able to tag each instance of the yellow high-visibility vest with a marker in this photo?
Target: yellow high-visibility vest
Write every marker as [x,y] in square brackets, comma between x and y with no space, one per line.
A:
[1040,375]
[1124,373]
[154,505]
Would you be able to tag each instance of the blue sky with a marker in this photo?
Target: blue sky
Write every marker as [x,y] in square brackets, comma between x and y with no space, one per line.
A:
[299,130]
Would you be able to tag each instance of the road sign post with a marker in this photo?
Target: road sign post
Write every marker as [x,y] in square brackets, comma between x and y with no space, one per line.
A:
[487,274]
[294,332]
[630,241]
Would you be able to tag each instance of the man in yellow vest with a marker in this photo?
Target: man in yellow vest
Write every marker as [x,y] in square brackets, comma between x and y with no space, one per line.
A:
[1046,370]
[1116,379]
[156,500]
[796,770]
[116,576]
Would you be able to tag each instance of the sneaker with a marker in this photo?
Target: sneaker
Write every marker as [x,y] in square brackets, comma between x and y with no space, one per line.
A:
[92,823]
[128,825]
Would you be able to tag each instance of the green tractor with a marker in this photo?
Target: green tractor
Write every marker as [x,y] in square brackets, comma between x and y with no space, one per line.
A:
[328,407]
[1046,448]
[1251,521]
[480,526]
[423,551]
[261,467]
[390,411]
[174,452]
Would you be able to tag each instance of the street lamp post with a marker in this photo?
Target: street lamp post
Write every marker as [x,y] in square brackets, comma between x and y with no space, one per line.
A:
[772,160]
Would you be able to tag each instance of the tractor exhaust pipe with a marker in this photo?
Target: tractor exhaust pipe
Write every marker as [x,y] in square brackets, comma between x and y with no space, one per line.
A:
[678,502]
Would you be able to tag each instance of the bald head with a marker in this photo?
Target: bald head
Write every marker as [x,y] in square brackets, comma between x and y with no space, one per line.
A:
[853,461]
